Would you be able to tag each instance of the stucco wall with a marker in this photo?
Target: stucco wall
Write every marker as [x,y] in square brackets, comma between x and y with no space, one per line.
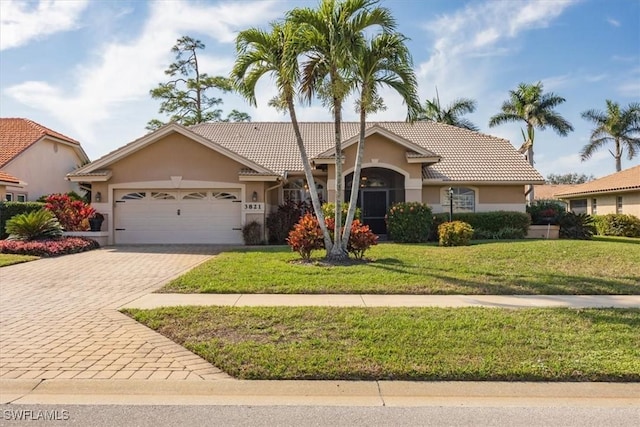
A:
[488,197]
[607,203]
[43,166]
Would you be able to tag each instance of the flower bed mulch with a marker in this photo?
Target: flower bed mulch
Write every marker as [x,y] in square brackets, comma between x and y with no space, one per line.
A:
[49,247]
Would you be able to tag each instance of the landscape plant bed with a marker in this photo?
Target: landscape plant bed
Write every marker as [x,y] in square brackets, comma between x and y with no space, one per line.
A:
[533,267]
[471,344]
[49,247]
[10,259]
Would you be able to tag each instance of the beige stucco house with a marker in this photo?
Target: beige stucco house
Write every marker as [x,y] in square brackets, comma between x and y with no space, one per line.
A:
[615,193]
[202,184]
[34,160]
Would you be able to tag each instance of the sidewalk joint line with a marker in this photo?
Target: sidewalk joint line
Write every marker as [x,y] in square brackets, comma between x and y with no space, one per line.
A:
[27,393]
[235,303]
[380,393]
[362,299]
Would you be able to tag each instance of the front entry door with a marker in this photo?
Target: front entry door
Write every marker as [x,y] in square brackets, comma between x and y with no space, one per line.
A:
[374,208]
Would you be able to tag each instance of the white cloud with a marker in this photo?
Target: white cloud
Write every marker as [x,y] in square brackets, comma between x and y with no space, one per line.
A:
[599,165]
[20,22]
[613,22]
[123,72]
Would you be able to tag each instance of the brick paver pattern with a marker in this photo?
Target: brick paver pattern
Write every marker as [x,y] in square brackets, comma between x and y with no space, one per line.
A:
[59,317]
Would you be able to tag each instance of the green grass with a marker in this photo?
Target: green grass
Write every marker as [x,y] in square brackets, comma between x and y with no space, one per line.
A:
[472,344]
[600,266]
[9,259]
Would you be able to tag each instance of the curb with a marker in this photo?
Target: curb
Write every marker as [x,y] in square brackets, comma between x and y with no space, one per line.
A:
[319,393]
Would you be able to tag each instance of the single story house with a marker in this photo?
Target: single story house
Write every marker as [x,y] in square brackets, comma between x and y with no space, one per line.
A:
[615,193]
[36,160]
[203,183]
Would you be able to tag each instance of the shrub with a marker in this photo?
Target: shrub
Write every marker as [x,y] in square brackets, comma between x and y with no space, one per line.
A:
[545,212]
[329,211]
[10,209]
[488,225]
[36,225]
[252,233]
[72,195]
[617,225]
[409,222]
[455,233]
[73,214]
[306,236]
[361,238]
[48,248]
[577,226]
[281,222]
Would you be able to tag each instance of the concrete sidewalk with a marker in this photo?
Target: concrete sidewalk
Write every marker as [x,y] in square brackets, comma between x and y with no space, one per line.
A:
[499,301]
[314,393]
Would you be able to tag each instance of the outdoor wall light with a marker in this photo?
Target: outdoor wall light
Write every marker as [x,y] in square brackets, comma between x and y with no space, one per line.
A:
[450,191]
[98,197]
[254,196]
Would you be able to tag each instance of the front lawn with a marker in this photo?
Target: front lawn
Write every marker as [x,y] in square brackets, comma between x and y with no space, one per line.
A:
[9,259]
[473,344]
[520,267]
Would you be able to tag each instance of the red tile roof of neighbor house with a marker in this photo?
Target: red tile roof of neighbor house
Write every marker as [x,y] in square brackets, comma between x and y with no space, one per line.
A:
[17,134]
[6,178]
[549,191]
[625,180]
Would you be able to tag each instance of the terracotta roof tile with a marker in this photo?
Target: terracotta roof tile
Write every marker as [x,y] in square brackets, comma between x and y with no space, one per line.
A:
[549,191]
[465,155]
[5,177]
[625,180]
[17,134]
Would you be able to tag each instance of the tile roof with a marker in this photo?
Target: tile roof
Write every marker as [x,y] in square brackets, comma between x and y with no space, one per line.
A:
[6,178]
[17,134]
[625,180]
[549,191]
[465,155]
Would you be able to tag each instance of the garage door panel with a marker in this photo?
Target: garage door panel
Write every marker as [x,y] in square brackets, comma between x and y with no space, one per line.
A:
[169,216]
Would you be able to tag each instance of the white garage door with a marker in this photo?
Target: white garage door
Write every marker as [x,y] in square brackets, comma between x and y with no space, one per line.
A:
[178,216]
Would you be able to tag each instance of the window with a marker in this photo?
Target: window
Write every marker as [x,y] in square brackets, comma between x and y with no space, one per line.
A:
[578,206]
[8,197]
[594,206]
[21,198]
[619,205]
[296,190]
[464,199]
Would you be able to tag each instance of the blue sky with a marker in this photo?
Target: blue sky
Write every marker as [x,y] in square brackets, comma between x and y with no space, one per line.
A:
[85,68]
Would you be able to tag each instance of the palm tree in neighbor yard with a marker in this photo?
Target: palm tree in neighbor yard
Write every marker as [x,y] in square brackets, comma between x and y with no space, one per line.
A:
[530,105]
[451,114]
[620,126]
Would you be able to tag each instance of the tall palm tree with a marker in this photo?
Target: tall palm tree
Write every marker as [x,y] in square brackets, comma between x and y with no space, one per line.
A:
[275,53]
[622,127]
[384,61]
[330,36]
[528,104]
[451,114]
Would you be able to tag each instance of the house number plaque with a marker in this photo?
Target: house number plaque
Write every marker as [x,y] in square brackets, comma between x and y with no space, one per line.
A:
[253,207]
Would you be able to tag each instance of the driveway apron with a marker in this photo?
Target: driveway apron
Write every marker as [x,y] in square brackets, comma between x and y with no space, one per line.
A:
[59,318]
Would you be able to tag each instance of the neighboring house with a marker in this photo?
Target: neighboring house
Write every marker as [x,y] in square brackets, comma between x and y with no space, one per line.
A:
[550,191]
[615,193]
[37,159]
[202,184]
[7,180]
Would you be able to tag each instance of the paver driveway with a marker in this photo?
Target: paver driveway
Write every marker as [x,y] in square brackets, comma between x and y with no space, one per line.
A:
[59,318]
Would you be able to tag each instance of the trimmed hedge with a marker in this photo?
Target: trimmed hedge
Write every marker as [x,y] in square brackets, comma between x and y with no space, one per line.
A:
[621,225]
[409,222]
[488,225]
[48,248]
[10,209]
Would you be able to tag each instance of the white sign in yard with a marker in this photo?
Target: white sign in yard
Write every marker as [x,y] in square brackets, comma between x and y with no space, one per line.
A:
[253,207]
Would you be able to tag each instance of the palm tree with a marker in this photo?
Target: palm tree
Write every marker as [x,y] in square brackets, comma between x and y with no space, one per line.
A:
[528,104]
[385,60]
[262,53]
[330,37]
[451,114]
[622,127]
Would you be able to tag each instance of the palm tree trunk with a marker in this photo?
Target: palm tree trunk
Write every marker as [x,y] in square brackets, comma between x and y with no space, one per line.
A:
[338,252]
[618,156]
[355,183]
[530,134]
[315,200]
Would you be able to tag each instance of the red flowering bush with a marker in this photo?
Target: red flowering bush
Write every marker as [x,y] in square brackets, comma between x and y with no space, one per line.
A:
[306,236]
[361,237]
[73,214]
[48,248]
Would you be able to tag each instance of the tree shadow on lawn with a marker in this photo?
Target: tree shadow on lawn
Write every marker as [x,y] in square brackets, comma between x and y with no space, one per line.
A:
[550,284]
[623,316]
